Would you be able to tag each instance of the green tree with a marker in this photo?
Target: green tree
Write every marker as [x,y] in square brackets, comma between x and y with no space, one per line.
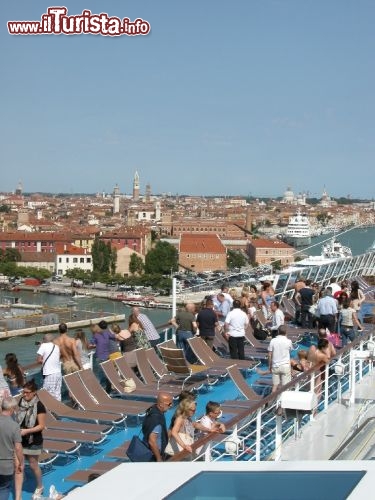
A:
[10,255]
[162,259]
[235,259]
[102,256]
[113,258]
[135,264]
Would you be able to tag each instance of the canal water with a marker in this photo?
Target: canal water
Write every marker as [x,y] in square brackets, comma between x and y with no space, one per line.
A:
[25,347]
[359,240]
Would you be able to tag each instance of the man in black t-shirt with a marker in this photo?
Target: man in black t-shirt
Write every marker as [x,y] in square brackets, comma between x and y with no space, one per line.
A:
[207,322]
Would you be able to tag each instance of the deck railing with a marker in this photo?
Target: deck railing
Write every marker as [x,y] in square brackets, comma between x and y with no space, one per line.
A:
[259,433]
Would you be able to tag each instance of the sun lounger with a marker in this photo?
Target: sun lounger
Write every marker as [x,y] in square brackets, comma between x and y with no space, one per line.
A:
[177,365]
[168,343]
[53,423]
[82,476]
[74,436]
[60,447]
[208,357]
[98,399]
[120,451]
[157,364]
[288,307]
[241,384]
[61,410]
[169,384]
[96,390]
[117,378]
[259,345]
[45,459]
[141,389]
[252,355]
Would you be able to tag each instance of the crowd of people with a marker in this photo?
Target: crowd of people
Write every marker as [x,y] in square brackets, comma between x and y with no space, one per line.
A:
[332,310]
[22,418]
[183,430]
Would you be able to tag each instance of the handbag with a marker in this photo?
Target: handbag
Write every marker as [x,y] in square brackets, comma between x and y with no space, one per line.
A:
[129,385]
[335,339]
[45,361]
[173,447]
[314,310]
[139,451]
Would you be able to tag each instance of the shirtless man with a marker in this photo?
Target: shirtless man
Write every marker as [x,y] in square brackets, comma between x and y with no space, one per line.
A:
[70,358]
[329,350]
[299,284]
[320,357]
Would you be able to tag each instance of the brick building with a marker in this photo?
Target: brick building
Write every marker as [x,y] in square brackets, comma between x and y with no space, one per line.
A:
[265,251]
[202,252]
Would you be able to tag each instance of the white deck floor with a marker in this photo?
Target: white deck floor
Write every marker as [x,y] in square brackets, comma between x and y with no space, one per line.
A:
[322,437]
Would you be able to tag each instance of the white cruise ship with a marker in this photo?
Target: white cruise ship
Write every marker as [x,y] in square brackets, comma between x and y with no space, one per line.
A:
[298,232]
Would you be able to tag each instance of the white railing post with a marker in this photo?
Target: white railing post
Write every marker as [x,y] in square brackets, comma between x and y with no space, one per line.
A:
[258,435]
[352,378]
[278,438]
[360,361]
[312,389]
[339,385]
[207,453]
[326,386]
[370,342]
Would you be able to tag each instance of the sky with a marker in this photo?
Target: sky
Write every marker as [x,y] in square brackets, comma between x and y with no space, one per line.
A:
[240,97]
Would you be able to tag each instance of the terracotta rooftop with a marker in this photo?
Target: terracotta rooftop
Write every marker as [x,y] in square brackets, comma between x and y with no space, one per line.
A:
[69,249]
[35,236]
[37,257]
[264,243]
[201,243]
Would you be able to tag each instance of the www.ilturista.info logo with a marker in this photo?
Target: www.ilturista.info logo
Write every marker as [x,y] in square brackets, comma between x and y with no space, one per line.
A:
[57,22]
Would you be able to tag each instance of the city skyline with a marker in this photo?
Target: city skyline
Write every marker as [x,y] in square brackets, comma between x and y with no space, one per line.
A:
[243,100]
[143,193]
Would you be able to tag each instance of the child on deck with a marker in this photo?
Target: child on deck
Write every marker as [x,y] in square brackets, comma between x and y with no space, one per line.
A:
[208,422]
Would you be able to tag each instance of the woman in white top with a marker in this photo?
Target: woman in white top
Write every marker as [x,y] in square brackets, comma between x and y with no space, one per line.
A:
[83,348]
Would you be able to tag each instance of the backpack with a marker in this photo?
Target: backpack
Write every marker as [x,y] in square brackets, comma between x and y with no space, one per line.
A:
[260,333]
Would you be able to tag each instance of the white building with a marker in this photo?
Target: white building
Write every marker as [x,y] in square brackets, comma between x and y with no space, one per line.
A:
[72,257]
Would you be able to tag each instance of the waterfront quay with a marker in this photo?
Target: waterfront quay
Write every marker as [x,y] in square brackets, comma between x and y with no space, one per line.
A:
[20,316]
[36,323]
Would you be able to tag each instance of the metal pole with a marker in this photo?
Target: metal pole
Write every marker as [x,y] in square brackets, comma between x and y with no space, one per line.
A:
[174,296]
[174,302]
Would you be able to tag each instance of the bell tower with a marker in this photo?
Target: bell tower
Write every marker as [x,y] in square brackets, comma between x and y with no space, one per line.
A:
[136,187]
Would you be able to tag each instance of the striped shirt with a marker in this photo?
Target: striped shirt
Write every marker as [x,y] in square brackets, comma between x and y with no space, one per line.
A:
[148,327]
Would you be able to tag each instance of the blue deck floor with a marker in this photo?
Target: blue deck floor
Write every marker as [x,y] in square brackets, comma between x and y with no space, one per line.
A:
[64,467]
